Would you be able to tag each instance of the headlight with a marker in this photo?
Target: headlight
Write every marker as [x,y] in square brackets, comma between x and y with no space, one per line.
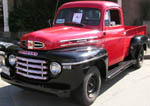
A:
[12,59]
[55,68]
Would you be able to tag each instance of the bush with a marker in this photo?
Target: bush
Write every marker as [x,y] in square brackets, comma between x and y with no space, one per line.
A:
[31,15]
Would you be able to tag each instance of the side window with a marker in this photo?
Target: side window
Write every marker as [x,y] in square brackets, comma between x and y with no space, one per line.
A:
[112,18]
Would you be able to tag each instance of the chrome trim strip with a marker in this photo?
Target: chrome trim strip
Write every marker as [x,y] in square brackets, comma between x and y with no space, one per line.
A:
[40,43]
[31,76]
[31,66]
[86,38]
[81,43]
[31,60]
[31,71]
[85,61]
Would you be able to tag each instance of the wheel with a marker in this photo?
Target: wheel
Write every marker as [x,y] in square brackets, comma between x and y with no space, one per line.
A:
[90,88]
[139,58]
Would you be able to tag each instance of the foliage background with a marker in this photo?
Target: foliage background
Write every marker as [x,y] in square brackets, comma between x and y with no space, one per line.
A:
[31,15]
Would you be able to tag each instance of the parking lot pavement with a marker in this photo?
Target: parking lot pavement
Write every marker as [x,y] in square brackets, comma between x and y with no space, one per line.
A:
[130,88]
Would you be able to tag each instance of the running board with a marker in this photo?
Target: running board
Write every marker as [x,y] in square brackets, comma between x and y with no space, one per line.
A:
[117,70]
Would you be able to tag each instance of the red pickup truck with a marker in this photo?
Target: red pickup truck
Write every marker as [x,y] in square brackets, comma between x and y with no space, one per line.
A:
[88,42]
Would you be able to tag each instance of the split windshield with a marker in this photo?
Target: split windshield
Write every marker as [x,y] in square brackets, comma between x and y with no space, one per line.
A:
[84,16]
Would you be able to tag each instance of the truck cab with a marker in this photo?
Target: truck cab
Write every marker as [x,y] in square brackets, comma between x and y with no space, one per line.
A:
[107,18]
[88,42]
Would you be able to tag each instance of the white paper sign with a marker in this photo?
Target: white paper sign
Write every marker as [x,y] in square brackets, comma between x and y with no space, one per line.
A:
[77,17]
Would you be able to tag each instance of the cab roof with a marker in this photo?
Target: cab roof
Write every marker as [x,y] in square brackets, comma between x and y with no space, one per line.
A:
[91,4]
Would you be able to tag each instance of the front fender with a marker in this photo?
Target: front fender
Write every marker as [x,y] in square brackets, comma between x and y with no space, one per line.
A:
[78,58]
[82,58]
[4,46]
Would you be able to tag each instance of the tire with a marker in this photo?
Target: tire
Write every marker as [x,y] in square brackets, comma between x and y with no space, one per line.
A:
[139,58]
[88,91]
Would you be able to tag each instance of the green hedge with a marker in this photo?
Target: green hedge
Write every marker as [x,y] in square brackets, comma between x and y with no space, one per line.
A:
[31,15]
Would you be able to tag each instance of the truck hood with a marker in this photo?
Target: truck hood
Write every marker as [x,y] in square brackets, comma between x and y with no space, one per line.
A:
[59,37]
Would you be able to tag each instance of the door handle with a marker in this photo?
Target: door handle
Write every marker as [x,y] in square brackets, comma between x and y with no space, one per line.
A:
[124,33]
[104,33]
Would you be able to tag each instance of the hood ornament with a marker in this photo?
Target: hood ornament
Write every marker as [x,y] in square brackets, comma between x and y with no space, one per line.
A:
[30,44]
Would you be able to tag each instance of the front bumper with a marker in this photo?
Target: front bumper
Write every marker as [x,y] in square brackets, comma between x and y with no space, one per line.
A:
[38,87]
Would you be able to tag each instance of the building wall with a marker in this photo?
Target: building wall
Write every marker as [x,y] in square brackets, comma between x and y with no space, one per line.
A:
[133,11]
[10,5]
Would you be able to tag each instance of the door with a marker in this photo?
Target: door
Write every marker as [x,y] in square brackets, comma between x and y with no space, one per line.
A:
[114,36]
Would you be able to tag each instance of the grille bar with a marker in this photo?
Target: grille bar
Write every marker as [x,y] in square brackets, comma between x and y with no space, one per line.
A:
[37,44]
[31,71]
[31,76]
[31,60]
[31,66]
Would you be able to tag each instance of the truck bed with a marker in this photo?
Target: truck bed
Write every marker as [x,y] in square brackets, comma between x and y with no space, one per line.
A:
[132,31]
[135,30]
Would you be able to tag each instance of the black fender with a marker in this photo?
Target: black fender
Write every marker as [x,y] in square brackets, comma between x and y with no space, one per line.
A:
[75,62]
[148,42]
[82,58]
[2,48]
[88,56]
[5,45]
[136,43]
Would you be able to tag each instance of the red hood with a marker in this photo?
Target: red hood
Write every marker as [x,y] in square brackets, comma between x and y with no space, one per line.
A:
[60,36]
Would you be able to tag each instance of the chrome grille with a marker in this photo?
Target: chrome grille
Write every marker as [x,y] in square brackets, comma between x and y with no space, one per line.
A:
[32,68]
[37,44]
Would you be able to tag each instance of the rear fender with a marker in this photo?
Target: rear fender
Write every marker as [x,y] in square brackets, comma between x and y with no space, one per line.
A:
[137,42]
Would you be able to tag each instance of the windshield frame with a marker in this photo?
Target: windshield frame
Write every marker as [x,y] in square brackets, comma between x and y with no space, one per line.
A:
[79,8]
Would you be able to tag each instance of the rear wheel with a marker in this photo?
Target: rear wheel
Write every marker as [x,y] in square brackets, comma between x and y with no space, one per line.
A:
[90,88]
[139,58]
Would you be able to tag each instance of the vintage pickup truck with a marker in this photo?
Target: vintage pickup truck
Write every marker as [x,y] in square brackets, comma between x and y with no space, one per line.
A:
[88,42]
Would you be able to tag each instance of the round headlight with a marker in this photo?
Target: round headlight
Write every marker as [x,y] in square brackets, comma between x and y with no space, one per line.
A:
[55,68]
[12,60]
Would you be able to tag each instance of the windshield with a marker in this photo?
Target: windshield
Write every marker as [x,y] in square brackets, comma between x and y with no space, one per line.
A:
[86,16]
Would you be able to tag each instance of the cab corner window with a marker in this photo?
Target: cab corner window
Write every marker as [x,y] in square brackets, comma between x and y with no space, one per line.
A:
[112,18]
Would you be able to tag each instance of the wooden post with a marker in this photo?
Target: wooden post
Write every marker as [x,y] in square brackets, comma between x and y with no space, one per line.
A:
[5,15]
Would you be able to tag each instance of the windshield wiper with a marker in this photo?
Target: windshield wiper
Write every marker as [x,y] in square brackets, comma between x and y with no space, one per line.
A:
[74,24]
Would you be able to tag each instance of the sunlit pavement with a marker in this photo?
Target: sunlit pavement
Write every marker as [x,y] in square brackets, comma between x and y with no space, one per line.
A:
[130,88]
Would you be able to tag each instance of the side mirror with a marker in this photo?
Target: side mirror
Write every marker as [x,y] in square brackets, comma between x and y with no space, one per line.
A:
[49,22]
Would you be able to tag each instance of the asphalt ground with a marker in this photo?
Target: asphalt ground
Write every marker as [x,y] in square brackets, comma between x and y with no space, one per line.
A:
[130,88]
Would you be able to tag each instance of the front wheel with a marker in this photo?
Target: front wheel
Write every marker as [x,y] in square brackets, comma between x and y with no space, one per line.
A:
[90,88]
[139,58]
